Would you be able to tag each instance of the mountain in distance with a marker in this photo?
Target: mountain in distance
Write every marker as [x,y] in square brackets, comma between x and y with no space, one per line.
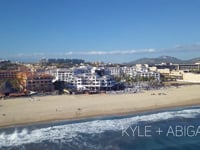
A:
[194,60]
[163,59]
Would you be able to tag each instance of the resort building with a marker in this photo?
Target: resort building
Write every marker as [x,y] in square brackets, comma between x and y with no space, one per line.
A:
[99,78]
[84,77]
[188,67]
[92,82]
[176,74]
[64,74]
[115,71]
[154,75]
[140,71]
[169,66]
[67,74]
[191,77]
[36,82]
[8,74]
[41,83]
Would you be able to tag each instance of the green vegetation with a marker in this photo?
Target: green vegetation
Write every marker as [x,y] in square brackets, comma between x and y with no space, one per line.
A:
[13,82]
[59,85]
[129,80]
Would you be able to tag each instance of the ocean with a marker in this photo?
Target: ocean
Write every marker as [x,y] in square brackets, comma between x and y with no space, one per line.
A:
[172,129]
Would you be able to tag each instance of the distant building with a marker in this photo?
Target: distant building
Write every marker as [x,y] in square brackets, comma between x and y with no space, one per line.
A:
[176,74]
[166,66]
[72,61]
[198,62]
[2,62]
[164,71]
[8,74]
[188,67]
[154,75]
[115,71]
[134,72]
[191,77]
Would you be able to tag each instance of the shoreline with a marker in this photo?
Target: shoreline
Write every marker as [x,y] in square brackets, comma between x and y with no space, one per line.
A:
[93,106]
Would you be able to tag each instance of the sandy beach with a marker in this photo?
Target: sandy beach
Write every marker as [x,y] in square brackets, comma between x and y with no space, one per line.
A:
[29,110]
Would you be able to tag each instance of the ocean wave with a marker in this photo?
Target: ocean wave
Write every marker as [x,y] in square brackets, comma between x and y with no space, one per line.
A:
[68,132]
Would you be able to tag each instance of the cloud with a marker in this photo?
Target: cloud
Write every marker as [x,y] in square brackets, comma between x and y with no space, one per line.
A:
[39,54]
[184,48]
[115,52]
[190,48]
[80,54]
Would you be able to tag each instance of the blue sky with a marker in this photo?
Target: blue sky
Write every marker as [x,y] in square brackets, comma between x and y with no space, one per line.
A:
[101,30]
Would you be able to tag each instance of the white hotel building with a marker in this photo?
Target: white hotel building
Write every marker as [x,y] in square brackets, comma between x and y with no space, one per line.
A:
[92,81]
[135,71]
[86,77]
[83,78]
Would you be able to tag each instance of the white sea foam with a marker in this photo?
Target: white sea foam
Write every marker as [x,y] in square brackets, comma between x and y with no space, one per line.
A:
[70,131]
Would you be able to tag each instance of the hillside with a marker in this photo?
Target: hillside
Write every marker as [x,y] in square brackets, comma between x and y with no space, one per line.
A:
[165,59]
